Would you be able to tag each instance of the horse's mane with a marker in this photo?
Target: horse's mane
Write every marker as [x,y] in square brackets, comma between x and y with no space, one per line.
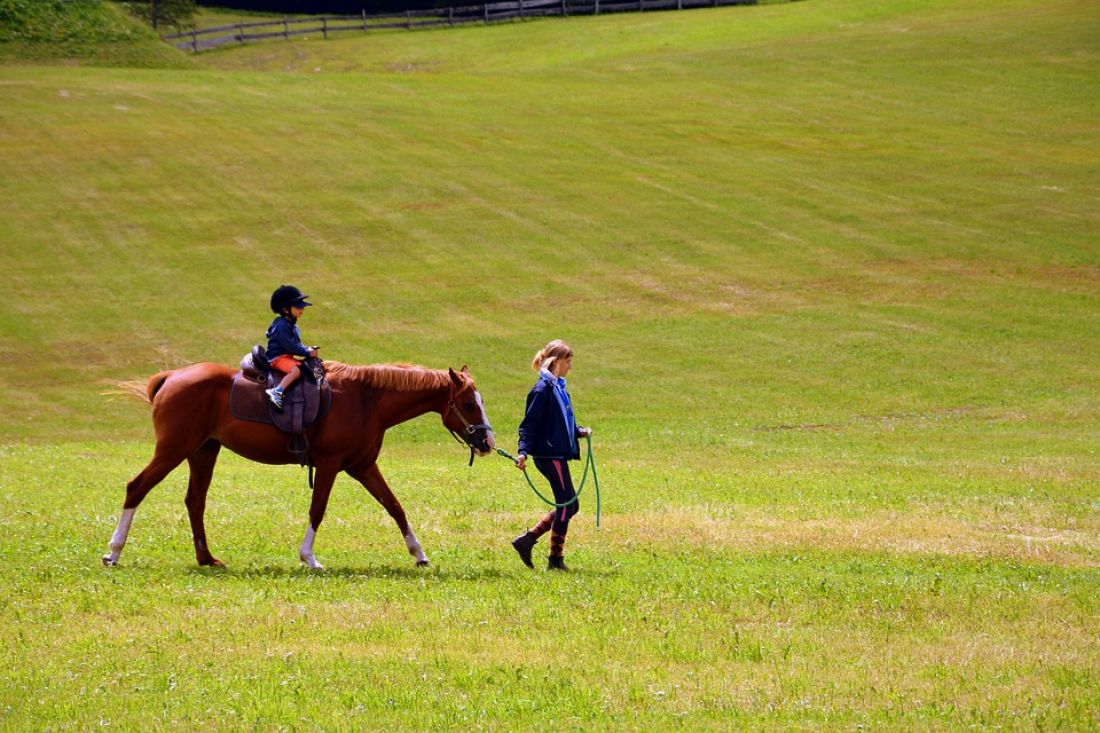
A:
[398,377]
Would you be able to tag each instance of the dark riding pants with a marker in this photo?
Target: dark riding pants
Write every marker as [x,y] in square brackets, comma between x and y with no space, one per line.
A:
[556,471]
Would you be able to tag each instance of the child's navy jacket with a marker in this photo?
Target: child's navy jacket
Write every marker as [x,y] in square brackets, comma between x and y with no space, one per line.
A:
[283,337]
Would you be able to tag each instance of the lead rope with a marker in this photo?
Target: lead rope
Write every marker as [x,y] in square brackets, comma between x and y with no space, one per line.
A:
[590,462]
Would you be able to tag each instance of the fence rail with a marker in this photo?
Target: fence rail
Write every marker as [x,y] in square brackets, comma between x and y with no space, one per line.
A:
[202,39]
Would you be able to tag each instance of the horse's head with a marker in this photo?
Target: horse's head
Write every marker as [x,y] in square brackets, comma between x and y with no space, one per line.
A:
[465,416]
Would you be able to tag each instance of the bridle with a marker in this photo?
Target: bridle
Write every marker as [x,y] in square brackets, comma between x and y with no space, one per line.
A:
[469,429]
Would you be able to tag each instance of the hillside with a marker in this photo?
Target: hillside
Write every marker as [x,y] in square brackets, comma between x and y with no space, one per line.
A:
[765,195]
[87,32]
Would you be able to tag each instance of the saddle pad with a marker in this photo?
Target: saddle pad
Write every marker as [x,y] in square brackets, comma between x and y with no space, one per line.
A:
[303,405]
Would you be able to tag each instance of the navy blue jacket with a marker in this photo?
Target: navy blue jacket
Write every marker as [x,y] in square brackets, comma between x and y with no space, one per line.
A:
[283,337]
[544,432]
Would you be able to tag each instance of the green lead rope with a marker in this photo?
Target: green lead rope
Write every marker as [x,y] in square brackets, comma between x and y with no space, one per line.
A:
[589,463]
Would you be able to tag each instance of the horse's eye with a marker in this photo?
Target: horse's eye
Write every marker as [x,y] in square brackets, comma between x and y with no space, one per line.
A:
[470,405]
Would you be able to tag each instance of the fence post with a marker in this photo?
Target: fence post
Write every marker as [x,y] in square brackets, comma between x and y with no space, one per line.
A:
[240,32]
[450,15]
[364,20]
[641,6]
[286,29]
[408,20]
[597,8]
[522,15]
[485,9]
[564,9]
[324,26]
[194,41]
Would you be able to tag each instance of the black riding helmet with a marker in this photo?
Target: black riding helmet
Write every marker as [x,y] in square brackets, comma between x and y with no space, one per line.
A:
[286,296]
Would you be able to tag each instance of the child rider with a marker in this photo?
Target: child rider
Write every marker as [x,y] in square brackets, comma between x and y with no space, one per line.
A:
[285,350]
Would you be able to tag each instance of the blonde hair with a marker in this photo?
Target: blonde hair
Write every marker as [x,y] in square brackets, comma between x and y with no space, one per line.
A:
[556,349]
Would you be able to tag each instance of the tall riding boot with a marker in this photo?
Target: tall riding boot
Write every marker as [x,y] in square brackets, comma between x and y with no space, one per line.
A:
[557,551]
[524,544]
[556,562]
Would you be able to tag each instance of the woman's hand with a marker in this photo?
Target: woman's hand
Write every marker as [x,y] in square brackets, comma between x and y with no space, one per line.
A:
[584,432]
[521,462]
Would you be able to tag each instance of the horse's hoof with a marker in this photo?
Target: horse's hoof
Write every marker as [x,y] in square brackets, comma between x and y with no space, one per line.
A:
[311,562]
[108,562]
[212,562]
[422,563]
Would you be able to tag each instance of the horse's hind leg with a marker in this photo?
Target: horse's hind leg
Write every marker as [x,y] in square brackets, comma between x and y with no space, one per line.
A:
[201,463]
[162,464]
[371,477]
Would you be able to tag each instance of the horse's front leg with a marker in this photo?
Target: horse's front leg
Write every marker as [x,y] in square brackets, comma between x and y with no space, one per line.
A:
[371,477]
[322,488]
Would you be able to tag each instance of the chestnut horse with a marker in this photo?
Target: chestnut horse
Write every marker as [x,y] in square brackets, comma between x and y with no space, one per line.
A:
[192,421]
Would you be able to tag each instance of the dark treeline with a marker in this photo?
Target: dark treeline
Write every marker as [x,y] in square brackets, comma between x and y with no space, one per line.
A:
[333,7]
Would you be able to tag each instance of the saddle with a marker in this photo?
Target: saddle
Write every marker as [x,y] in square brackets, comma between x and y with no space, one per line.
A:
[305,403]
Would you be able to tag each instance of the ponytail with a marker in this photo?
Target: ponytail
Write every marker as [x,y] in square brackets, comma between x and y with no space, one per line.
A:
[556,349]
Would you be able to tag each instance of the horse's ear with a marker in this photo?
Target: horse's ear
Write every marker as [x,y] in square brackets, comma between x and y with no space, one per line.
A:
[454,377]
[465,370]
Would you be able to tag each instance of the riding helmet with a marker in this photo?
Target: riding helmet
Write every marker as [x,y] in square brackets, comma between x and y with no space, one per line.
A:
[286,296]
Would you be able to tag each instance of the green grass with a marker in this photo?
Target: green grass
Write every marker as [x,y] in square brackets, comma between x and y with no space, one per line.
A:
[832,276]
[657,627]
[211,17]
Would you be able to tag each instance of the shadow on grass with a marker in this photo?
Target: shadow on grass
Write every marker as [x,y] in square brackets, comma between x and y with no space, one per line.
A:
[376,572]
[373,572]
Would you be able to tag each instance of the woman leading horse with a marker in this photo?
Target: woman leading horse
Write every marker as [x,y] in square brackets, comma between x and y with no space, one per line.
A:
[192,420]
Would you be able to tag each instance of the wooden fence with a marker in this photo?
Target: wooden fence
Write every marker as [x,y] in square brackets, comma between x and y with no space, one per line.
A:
[201,39]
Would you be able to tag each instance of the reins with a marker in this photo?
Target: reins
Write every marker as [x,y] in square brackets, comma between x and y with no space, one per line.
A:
[469,429]
[590,462]
[467,438]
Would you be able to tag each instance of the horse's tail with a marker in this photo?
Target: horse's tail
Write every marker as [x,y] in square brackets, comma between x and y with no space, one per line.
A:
[155,383]
[143,391]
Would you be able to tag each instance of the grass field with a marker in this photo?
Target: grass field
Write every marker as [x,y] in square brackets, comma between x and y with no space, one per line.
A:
[832,273]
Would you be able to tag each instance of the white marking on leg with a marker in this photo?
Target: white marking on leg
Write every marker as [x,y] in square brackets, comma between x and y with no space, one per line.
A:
[414,548]
[305,552]
[118,539]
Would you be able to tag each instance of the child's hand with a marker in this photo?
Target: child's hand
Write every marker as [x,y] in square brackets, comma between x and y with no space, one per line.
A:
[521,462]
[585,432]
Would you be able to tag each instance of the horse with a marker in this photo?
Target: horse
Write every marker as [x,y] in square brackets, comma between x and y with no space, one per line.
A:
[192,421]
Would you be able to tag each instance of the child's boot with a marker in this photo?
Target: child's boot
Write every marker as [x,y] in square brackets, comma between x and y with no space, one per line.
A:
[275,394]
